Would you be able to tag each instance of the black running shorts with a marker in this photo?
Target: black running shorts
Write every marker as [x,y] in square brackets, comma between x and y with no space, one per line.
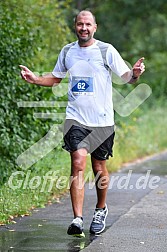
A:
[98,141]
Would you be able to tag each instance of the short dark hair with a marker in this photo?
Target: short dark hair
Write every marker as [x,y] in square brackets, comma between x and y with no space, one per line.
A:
[86,10]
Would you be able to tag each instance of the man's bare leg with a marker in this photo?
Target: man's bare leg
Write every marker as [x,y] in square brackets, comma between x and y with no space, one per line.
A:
[102,181]
[78,165]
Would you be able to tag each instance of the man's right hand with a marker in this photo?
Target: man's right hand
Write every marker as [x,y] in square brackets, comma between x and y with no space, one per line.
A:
[28,75]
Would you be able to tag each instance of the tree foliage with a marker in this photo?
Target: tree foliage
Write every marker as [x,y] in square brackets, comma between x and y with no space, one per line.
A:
[24,32]
[138,32]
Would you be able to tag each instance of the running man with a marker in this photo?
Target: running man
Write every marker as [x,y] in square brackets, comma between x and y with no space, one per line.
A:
[89,124]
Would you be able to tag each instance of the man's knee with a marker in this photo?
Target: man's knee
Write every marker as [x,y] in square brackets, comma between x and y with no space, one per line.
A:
[78,163]
[99,166]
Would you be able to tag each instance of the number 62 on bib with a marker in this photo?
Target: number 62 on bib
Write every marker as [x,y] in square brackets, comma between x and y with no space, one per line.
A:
[82,85]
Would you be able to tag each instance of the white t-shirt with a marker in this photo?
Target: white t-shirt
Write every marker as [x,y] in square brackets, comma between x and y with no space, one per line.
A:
[90,86]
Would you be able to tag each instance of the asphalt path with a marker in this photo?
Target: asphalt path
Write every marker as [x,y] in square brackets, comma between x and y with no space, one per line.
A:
[137,219]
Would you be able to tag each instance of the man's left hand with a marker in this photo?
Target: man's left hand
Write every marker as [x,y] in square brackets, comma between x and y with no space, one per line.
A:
[138,68]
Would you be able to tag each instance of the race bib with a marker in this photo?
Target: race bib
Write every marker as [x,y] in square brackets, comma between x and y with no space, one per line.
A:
[82,85]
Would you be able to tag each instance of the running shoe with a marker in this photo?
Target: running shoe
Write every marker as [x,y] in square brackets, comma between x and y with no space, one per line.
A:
[99,218]
[76,228]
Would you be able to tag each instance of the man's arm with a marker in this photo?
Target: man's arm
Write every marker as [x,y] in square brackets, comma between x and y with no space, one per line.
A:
[133,75]
[47,80]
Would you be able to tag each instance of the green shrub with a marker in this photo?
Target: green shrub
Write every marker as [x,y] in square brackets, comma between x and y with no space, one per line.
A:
[22,37]
[17,45]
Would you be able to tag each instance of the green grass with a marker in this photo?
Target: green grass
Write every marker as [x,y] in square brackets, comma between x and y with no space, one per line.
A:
[31,188]
[141,134]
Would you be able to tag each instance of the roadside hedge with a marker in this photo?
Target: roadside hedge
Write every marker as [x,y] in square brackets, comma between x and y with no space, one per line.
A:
[22,40]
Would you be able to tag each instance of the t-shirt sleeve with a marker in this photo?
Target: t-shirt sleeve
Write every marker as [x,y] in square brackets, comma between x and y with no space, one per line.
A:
[116,62]
[60,70]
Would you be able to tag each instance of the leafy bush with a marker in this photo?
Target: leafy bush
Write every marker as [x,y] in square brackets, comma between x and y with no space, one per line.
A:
[17,44]
[21,41]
